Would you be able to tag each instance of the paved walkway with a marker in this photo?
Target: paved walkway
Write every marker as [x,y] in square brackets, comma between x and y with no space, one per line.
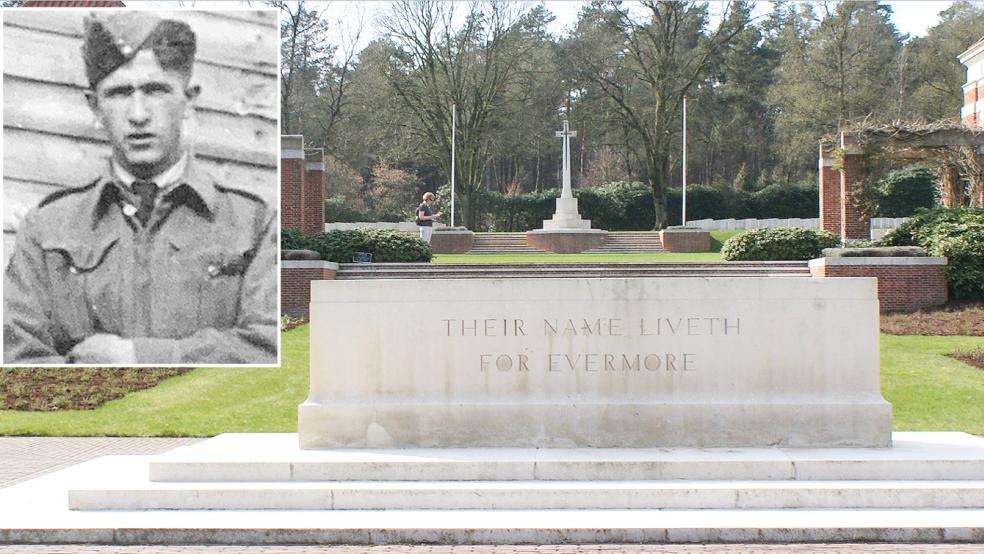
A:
[23,458]
[559,549]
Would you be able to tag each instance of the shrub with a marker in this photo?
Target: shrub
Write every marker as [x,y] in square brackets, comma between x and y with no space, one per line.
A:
[291,240]
[778,244]
[618,206]
[800,201]
[385,245]
[904,191]
[958,234]
[628,206]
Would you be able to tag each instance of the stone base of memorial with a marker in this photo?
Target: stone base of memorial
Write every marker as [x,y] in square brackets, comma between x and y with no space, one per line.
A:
[452,240]
[566,241]
[685,239]
[621,362]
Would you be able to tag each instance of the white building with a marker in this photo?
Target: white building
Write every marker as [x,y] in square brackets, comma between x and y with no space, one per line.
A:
[972,112]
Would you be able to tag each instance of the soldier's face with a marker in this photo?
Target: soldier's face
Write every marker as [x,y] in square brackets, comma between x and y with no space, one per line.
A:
[143,107]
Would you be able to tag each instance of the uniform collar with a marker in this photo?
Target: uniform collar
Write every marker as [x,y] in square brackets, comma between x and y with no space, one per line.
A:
[164,180]
[184,183]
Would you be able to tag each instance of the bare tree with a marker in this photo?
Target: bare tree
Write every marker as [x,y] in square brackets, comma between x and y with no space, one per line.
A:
[665,55]
[314,70]
[438,65]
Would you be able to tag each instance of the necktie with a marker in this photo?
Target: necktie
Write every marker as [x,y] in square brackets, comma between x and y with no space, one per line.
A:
[147,191]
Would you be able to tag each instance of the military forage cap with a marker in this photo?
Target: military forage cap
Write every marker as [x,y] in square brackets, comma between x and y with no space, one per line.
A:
[114,39]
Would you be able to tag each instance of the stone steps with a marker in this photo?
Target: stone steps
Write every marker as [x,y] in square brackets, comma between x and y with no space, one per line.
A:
[536,495]
[629,242]
[473,271]
[933,470]
[619,242]
[269,472]
[502,243]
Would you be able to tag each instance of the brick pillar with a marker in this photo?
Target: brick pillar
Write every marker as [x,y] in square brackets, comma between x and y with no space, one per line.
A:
[292,182]
[980,176]
[314,191]
[830,185]
[854,223]
[971,94]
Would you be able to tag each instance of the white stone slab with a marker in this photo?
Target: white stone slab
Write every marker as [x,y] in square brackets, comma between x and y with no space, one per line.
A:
[530,495]
[277,457]
[628,362]
[36,512]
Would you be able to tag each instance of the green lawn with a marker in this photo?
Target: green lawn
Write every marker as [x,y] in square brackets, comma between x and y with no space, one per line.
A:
[928,390]
[204,402]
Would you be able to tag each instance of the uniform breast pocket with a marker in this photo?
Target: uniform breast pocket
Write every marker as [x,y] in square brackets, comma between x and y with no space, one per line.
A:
[85,288]
[207,283]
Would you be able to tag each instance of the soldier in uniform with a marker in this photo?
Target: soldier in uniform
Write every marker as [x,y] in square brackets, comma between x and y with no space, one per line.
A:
[154,262]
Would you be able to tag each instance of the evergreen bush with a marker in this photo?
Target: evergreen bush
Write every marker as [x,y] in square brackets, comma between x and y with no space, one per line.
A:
[385,245]
[628,206]
[957,234]
[778,244]
[291,240]
[904,191]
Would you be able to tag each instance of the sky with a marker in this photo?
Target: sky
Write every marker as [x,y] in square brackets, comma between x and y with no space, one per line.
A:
[914,17]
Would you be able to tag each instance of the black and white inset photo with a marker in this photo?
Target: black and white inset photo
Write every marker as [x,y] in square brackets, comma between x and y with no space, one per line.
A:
[140,187]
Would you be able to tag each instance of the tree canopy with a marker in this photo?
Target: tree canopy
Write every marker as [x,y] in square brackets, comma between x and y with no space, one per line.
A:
[761,92]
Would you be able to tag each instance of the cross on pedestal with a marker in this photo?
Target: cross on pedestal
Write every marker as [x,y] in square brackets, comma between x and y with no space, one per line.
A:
[566,217]
[566,135]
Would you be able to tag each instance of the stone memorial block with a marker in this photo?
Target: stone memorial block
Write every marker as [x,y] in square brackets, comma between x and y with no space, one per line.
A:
[616,362]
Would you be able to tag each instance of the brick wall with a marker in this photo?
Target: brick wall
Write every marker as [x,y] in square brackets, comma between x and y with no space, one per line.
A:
[314,192]
[853,223]
[904,284]
[830,185]
[292,182]
[295,283]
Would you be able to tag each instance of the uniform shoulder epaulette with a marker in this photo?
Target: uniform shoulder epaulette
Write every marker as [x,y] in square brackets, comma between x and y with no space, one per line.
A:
[241,192]
[68,191]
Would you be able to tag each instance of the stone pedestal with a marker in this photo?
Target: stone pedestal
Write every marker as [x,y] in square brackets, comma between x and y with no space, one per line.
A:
[566,241]
[452,241]
[566,217]
[683,239]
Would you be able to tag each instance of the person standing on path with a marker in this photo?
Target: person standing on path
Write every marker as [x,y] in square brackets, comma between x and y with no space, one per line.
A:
[425,218]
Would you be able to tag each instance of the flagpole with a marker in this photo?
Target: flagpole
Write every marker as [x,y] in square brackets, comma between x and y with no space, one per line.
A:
[684,215]
[454,119]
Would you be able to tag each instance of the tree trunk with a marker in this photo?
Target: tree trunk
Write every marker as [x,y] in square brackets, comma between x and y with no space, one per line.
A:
[951,187]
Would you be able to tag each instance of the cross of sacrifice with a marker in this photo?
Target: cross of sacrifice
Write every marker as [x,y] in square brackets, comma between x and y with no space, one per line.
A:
[566,135]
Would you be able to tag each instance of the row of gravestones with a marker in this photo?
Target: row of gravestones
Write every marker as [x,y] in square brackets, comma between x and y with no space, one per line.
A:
[811,223]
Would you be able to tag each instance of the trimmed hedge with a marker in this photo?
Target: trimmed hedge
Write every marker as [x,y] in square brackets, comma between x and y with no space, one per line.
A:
[778,244]
[385,245]
[957,234]
[628,206]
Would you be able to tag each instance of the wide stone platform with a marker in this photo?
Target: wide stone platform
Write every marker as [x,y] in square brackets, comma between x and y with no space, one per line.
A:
[263,489]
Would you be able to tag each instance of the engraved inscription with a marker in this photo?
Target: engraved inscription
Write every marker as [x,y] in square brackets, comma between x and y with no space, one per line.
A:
[588,361]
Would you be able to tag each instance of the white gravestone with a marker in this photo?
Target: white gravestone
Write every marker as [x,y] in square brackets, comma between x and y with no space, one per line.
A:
[622,362]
